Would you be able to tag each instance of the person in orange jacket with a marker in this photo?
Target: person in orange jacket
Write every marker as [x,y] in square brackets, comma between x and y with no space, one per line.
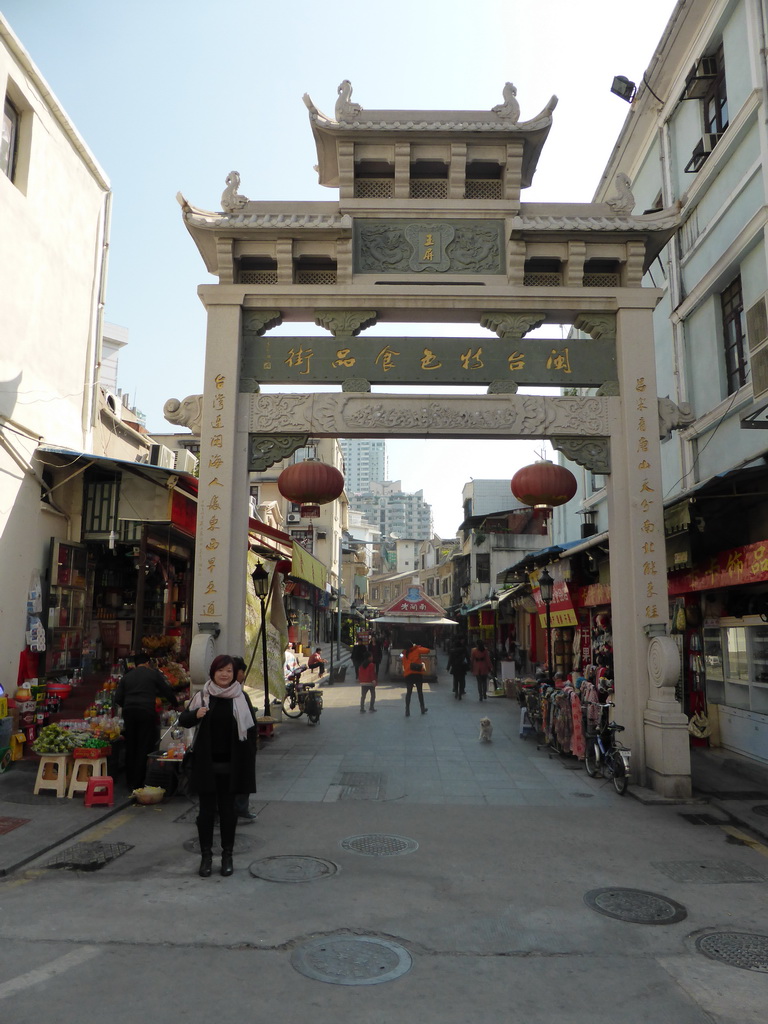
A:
[482,667]
[413,673]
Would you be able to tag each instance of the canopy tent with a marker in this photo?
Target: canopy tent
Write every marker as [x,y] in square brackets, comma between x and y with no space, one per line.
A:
[415,620]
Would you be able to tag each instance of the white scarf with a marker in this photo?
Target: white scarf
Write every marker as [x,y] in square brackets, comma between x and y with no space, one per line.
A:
[233,692]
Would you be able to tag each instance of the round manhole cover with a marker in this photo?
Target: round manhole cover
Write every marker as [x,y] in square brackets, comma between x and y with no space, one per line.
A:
[293,869]
[737,949]
[635,906]
[379,845]
[351,960]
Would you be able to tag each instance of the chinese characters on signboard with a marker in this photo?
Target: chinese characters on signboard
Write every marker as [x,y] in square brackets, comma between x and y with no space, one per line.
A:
[213,509]
[408,360]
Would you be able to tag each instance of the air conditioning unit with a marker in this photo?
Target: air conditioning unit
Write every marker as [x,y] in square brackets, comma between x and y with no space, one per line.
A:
[700,79]
[114,404]
[161,456]
[704,147]
[186,462]
[294,517]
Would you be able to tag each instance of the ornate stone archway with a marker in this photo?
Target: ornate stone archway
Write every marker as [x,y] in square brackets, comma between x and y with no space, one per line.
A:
[458,247]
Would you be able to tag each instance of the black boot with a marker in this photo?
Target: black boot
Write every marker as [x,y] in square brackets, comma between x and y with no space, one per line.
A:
[206,863]
[227,866]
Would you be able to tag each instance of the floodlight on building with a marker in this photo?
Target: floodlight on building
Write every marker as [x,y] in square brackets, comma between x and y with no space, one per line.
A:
[624,88]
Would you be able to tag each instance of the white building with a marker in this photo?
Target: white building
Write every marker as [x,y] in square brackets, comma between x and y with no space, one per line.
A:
[365,462]
[54,220]
[696,135]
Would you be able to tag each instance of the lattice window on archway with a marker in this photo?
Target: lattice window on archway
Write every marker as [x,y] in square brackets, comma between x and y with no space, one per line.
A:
[256,270]
[484,180]
[602,274]
[483,189]
[374,188]
[602,280]
[315,270]
[542,272]
[428,188]
[257,277]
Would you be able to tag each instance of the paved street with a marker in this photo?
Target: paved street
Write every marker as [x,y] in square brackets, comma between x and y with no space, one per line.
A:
[453,878]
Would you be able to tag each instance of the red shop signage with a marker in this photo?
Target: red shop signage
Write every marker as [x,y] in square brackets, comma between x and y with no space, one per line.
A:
[747,564]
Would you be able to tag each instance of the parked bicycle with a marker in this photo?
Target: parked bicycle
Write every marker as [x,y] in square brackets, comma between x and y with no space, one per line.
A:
[605,756]
[302,698]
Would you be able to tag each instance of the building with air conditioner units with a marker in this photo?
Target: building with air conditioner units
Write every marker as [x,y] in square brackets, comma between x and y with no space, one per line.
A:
[697,137]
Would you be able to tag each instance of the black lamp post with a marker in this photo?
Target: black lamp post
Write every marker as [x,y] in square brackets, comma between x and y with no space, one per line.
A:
[493,601]
[260,579]
[546,586]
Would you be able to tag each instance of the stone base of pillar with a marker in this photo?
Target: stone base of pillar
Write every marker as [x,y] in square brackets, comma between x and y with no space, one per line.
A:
[667,751]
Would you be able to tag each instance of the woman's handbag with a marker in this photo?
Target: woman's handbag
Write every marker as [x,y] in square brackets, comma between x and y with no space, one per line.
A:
[187,762]
[418,666]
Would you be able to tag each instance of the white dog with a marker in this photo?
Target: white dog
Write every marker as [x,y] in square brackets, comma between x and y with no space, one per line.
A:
[486,730]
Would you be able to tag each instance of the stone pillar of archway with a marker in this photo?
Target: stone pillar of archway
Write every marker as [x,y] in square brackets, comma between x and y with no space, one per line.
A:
[646,705]
[222,511]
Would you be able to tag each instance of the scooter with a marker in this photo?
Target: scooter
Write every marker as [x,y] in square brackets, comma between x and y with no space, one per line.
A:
[302,698]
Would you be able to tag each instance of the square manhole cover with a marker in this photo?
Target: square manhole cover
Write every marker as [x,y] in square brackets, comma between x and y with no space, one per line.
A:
[88,856]
[708,873]
[360,786]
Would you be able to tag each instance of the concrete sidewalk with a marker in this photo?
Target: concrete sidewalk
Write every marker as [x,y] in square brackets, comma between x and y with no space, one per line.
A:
[477,869]
[430,759]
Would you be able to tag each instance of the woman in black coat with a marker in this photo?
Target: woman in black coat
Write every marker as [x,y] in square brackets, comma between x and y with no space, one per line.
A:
[223,757]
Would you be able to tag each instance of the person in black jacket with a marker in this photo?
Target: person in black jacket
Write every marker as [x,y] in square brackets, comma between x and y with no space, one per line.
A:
[458,663]
[136,693]
[223,757]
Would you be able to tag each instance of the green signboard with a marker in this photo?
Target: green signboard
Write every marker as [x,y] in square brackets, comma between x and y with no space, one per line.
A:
[472,361]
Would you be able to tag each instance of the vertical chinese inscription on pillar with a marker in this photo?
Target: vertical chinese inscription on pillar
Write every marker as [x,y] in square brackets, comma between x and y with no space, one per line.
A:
[213,511]
[648,500]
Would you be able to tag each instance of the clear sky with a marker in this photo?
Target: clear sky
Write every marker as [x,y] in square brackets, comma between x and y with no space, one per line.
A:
[171,95]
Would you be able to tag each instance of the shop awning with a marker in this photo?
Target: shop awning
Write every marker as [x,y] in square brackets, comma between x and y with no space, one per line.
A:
[415,620]
[307,567]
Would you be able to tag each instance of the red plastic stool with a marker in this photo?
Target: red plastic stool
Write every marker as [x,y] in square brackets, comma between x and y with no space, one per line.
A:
[101,790]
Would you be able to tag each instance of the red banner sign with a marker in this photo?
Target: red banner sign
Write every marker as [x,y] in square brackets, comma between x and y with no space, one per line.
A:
[561,611]
[748,564]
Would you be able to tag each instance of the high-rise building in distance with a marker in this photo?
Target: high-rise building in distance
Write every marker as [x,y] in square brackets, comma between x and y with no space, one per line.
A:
[365,462]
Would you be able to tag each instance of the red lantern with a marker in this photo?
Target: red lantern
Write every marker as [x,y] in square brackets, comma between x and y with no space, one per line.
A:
[310,484]
[543,485]
[284,566]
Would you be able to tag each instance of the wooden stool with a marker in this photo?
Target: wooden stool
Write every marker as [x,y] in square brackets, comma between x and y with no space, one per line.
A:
[266,727]
[53,773]
[100,790]
[85,769]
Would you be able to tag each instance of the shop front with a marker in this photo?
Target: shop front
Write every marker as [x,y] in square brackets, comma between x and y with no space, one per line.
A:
[307,599]
[719,610]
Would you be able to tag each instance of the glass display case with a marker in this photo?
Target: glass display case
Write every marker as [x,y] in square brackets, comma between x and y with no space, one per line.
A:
[736,665]
[66,606]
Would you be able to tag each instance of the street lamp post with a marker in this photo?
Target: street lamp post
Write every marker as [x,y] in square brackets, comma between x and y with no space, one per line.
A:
[546,586]
[260,579]
[493,601]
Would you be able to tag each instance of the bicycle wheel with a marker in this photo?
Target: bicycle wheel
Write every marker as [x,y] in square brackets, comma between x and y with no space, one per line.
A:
[591,759]
[619,776]
[291,707]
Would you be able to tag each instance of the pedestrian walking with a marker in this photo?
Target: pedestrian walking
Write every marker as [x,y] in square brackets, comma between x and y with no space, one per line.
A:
[367,679]
[458,663]
[482,667]
[136,694]
[223,757]
[358,654]
[413,673]
[375,650]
